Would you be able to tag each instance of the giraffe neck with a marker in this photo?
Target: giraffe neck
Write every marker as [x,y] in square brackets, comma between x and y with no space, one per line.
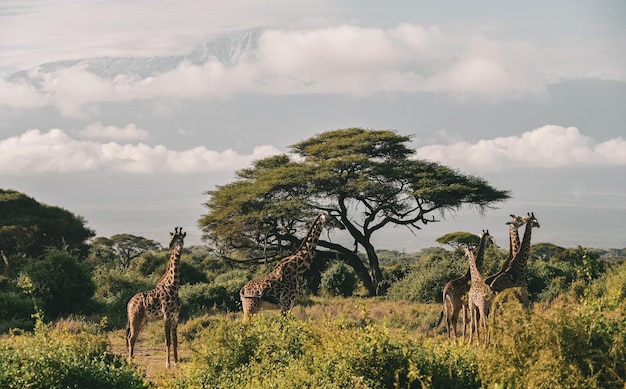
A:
[514,241]
[480,252]
[306,251]
[474,272]
[518,263]
[171,278]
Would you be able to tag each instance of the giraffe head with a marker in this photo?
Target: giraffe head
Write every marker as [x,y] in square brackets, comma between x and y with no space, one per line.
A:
[517,221]
[487,238]
[531,220]
[329,221]
[177,238]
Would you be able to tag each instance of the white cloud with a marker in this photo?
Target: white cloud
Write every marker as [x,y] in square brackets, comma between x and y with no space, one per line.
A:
[550,146]
[20,95]
[35,152]
[129,132]
[54,152]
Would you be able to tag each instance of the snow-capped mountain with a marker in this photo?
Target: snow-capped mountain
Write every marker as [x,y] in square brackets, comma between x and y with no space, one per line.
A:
[229,49]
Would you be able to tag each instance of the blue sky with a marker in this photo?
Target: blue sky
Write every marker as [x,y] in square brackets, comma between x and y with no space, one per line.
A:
[107,111]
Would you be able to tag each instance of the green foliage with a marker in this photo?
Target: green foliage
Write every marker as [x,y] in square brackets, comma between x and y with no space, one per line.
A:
[63,359]
[28,228]
[563,345]
[222,293]
[271,352]
[428,276]
[338,280]
[126,247]
[15,311]
[61,283]
[114,288]
[455,239]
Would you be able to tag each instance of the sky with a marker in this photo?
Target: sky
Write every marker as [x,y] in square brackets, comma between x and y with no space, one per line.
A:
[127,113]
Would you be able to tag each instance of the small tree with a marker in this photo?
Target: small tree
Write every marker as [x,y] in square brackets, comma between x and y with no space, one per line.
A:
[126,247]
[456,239]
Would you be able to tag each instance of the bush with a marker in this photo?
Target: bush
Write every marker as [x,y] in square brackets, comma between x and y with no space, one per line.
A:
[428,276]
[61,283]
[114,288]
[15,311]
[57,359]
[563,345]
[271,351]
[222,293]
[338,280]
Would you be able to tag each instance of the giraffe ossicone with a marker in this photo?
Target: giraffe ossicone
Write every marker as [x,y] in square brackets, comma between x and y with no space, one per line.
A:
[281,287]
[160,303]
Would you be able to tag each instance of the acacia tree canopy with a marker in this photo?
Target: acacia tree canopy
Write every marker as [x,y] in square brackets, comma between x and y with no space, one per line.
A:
[368,178]
[127,247]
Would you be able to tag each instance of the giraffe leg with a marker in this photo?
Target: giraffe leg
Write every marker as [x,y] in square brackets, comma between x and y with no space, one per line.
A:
[464,313]
[175,341]
[168,341]
[453,320]
[473,314]
[136,320]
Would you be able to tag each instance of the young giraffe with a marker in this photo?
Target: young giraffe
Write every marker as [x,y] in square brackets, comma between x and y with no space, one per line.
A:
[480,294]
[455,294]
[159,303]
[515,274]
[514,245]
[281,287]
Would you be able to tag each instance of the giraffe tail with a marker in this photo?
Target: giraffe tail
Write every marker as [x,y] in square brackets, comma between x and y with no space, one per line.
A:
[127,336]
[440,319]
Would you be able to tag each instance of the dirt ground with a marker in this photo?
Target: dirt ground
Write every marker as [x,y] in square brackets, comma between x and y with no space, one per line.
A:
[149,356]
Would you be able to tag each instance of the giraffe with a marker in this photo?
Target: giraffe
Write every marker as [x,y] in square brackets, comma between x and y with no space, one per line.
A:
[159,303]
[281,287]
[480,294]
[514,244]
[515,273]
[455,294]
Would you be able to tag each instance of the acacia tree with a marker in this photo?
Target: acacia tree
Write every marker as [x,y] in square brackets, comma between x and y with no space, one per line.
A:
[459,238]
[370,179]
[126,247]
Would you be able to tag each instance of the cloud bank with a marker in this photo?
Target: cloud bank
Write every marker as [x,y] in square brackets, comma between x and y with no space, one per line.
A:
[549,146]
[55,152]
[346,60]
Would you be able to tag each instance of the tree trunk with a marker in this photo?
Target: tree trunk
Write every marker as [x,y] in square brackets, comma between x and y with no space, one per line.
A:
[377,274]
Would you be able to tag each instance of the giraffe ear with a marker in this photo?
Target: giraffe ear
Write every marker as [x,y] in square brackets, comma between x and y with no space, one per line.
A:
[184,234]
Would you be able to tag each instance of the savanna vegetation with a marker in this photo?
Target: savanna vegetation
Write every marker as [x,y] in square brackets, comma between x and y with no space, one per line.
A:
[63,291]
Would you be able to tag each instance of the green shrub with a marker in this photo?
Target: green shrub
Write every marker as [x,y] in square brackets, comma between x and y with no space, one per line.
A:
[15,311]
[338,280]
[222,293]
[58,359]
[428,276]
[561,345]
[61,283]
[271,351]
[114,288]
